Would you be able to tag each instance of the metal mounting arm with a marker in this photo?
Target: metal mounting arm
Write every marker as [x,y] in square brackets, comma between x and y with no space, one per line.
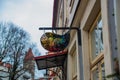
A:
[65,28]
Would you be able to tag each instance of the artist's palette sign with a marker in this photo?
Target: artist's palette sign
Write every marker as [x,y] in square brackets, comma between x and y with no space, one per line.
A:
[54,42]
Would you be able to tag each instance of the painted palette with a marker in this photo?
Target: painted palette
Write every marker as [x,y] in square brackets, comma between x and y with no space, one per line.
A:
[54,42]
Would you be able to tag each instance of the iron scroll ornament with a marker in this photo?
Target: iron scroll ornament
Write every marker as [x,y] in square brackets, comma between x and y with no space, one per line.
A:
[54,42]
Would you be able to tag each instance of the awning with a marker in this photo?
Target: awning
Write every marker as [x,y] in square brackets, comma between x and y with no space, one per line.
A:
[51,60]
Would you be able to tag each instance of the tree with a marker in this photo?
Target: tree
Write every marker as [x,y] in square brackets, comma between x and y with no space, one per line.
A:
[35,50]
[14,42]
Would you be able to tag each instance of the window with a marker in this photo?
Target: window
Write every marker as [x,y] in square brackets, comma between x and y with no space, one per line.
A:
[71,5]
[95,74]
[98,71]
[96,49]
[96,34]
[74,62]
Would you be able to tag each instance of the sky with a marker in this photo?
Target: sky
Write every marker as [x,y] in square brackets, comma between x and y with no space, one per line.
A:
[30,15]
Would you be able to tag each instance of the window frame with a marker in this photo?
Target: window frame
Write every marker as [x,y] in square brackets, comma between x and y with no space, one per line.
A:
[71,5]
[74,61]
[98,65]
[100,55]
[99,59]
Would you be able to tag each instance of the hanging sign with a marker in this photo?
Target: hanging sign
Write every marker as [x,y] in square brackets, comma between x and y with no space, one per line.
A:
[54,42]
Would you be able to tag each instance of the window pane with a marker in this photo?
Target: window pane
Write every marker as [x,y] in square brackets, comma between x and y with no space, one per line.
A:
[100,35]
[94,43]
[74,63]
[97,39]
[103,71]
[95,74]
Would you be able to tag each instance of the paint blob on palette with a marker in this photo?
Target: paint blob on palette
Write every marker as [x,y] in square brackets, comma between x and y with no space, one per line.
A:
[54,42]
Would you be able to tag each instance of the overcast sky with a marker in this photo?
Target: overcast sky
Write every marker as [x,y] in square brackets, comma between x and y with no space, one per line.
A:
[29,14]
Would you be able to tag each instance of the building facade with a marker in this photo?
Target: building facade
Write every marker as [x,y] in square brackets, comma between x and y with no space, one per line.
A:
[4,68]
[29,65]
[4,73]
[94,52]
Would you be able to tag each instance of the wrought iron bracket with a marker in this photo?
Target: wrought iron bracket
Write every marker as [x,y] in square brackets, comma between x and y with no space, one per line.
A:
[65,28]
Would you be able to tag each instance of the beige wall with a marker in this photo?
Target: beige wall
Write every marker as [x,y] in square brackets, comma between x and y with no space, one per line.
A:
[86,13]
[85,52]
